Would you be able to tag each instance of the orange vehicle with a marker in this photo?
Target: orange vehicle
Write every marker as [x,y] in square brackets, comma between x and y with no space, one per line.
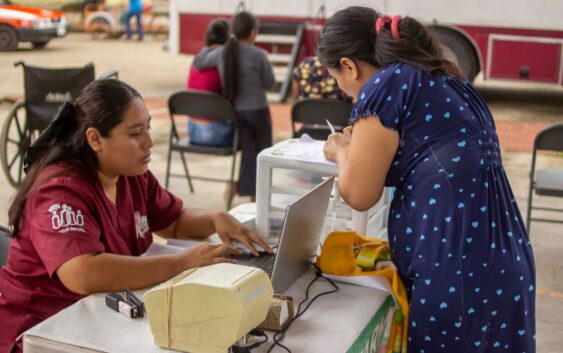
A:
[28,24]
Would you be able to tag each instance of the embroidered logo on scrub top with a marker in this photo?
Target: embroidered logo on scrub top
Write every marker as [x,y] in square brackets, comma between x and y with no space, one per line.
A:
[65,219]
[141,225]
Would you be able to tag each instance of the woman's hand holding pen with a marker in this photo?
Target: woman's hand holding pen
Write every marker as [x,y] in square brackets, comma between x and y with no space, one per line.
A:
[337,143]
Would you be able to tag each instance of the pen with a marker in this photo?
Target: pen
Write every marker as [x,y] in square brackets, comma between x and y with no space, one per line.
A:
[330,126]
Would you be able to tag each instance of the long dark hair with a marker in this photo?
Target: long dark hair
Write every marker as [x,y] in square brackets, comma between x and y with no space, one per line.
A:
[99,105]
[217,32]
[242,26]
[351,33]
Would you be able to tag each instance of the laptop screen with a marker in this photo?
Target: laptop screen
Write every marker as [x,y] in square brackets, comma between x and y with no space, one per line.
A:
[301,232]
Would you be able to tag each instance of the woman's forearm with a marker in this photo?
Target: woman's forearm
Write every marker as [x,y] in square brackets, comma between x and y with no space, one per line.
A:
[95,273]
[195,223]
[207,58]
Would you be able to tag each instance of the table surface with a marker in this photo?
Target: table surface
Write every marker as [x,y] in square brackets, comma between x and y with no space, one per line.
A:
[332,323]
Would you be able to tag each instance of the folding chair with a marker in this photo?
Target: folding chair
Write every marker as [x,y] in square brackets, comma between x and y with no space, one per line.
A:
[45,90]
[311,114]
[203,105]
[546,182]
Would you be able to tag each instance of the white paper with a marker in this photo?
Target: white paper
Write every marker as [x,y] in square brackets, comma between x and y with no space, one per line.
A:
[307,149]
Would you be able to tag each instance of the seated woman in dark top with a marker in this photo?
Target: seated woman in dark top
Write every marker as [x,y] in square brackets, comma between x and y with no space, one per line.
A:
[88,208]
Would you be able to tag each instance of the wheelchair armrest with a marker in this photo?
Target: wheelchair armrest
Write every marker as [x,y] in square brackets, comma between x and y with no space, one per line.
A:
[108,74]
[4,231]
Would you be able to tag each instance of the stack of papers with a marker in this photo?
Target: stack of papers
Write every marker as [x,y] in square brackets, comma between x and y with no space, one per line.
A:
[306,149]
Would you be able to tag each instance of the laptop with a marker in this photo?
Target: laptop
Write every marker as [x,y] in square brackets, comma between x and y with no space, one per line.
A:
[299,239]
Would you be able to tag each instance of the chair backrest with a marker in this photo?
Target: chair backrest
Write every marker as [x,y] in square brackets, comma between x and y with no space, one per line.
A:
[47,89]
[4,245]
[201,104]
[311,112]
[550,138]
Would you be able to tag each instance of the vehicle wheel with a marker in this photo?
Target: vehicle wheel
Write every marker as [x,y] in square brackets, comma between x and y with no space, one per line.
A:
[457,49]
[8,38]
[14,142]
[40,44]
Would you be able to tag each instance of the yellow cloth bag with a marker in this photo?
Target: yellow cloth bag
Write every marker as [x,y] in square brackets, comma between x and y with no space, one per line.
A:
[337,258]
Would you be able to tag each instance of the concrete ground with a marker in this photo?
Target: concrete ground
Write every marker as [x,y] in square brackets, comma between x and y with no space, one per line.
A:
[520,112]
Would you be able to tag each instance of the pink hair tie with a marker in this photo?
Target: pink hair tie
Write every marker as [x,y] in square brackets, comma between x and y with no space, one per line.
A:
[395,26]
[382,20]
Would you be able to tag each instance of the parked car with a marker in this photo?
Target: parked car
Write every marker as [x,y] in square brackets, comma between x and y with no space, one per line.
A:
[29,24]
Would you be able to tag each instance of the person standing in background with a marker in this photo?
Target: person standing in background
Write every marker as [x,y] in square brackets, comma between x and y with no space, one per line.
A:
[246,74]
[135,10]
[202,131]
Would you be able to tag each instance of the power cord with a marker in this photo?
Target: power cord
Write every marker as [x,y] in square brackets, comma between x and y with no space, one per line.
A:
[247,347]
[278,336]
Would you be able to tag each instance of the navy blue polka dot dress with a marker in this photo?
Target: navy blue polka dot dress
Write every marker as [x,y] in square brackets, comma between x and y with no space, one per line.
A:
[455,230]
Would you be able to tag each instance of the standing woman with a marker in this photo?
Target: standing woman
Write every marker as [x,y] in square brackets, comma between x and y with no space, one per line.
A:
[455,230]
[87,209]
[246,74]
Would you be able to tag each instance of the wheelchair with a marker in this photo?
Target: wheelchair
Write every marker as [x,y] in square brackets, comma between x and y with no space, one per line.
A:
[45,90]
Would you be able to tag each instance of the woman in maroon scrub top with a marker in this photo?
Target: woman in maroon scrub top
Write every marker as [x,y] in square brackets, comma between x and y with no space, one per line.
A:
[87,209]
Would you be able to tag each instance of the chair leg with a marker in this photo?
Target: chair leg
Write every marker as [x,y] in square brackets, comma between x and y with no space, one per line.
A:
[231,182]
[167,178]
[187,172]
[529,210]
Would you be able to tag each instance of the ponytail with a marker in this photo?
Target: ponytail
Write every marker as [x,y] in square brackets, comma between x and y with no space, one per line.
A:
[363,34]
[50,147]
[412,43]
[243,24]
[230,62]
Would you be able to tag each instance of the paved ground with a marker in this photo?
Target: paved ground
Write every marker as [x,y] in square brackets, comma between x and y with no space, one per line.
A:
[519,111]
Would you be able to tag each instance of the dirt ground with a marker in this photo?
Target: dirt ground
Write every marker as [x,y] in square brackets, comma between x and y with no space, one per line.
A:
[520,111]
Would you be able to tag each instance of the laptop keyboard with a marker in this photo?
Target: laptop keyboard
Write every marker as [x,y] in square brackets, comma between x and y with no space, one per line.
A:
[265,261]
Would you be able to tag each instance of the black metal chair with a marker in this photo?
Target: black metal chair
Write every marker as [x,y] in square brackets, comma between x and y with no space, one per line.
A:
[546,182]
[203,105]
[45,90]
[309,116]
[4,245]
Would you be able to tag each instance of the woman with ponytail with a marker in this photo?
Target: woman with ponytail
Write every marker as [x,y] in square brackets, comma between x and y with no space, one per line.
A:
[246,74]
[87,209]
[455,230]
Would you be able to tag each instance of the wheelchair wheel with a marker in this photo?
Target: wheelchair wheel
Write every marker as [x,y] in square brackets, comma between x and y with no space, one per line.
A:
[15,138]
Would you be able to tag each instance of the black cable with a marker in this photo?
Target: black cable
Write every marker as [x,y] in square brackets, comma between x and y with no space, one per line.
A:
[247,349]
[278,336]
